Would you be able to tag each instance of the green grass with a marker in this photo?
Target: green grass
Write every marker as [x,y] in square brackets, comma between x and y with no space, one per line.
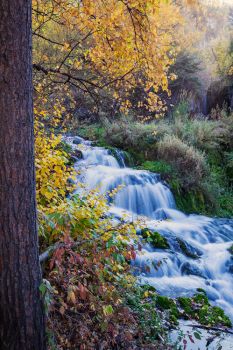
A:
[160,167]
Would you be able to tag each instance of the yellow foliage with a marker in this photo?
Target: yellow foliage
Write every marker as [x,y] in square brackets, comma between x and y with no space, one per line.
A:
[114,43]
[52,171]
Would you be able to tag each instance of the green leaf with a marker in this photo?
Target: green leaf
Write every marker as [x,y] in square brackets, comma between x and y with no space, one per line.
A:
[108,310]
[197,335]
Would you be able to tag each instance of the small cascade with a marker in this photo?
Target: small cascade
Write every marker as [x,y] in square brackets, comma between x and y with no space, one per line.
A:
[120,156]
[198,255]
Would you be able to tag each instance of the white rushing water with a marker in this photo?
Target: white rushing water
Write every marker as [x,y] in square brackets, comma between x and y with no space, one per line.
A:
[143,193]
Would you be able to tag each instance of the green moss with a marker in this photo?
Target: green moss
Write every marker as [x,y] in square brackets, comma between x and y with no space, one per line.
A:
[165,303]
[201,290]
[213,315]
[186,305]
[218,316]
[201,298]
[155,239]
[199,308]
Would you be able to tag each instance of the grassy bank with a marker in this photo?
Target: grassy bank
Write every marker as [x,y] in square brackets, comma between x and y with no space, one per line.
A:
[194,156]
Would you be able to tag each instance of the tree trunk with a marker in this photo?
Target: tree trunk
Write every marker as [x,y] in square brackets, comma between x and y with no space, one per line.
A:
[21,309]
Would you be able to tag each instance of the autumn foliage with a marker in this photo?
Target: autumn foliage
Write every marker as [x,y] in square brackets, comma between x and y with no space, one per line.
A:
[106,49]
[103,52]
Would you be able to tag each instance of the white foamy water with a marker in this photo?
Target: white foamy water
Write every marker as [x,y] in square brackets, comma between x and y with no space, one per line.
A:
[144,194]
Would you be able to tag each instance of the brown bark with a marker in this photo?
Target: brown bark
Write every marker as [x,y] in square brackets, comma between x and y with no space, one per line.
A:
[21,309]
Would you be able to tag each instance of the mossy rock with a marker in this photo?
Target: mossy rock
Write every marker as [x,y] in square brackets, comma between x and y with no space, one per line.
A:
[186,304]
[201,290]
[147,288]
[164,302]
[199,308]
[213,315]
[201,298]
[186,249]
[75,155]
[168,304]
[155,239]
[78,154]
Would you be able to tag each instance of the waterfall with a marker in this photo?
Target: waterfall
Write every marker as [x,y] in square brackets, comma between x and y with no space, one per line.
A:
[206,263]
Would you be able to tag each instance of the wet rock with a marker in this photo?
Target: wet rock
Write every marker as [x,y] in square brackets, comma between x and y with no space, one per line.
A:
[77,140]
[160,214]
[229,265]
[78,154]
[188,250]
[191,269]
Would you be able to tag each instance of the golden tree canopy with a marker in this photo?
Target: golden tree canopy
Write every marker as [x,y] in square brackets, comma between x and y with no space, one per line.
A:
[107,46]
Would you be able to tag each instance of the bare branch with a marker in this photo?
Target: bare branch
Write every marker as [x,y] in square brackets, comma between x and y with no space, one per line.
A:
[224,330]
[47,39]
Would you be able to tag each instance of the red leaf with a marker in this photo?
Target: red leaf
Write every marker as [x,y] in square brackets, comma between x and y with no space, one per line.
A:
[82,291]
[191,339]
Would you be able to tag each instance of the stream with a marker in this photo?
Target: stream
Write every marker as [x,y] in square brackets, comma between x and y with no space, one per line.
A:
[204,263]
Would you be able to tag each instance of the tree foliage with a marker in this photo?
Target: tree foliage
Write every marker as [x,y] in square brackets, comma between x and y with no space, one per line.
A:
[106,48]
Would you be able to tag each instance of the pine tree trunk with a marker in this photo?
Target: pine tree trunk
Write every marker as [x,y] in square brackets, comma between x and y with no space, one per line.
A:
[21,310]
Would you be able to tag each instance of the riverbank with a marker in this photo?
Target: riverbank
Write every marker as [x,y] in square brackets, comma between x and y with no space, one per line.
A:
[193,156]
[184,246]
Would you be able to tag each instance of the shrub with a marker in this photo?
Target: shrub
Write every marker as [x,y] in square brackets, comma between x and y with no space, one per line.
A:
[93,291]
[132,136]
[189,164]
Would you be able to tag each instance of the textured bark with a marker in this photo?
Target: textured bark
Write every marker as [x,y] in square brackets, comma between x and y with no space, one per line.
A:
[21,310]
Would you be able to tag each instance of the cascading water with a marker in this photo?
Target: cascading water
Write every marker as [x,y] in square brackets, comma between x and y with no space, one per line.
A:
[206,262]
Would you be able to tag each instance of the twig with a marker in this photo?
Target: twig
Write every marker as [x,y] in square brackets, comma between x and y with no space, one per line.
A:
[48,39]
[211,328]
[45,255]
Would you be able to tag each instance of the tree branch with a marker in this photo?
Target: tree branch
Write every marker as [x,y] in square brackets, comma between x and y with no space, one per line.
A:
[47,39]
[211,328]
[46,71]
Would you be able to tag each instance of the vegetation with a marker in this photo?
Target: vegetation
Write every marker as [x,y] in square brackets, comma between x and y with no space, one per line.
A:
[193,155]
[155,239]
[198,307]
[127,74]
[105,57]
